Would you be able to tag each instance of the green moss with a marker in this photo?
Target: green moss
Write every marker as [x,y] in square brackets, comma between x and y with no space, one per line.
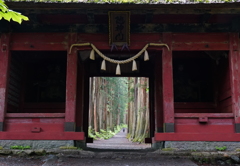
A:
[20,147]
[169,149]
[237,150]
[68,147]
[221,148]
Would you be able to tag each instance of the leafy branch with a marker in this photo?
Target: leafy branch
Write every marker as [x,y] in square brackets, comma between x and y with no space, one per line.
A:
[8,14]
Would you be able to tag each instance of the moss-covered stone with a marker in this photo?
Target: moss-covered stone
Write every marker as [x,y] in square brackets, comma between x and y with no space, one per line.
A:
[67,147]
[169,149]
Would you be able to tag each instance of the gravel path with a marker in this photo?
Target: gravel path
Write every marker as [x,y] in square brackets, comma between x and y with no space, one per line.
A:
[119,141]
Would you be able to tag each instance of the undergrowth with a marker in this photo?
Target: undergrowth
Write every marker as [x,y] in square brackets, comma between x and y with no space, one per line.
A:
[105,134]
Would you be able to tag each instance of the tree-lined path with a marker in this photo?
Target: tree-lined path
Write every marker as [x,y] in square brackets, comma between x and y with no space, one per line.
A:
[115,102]
[119,141]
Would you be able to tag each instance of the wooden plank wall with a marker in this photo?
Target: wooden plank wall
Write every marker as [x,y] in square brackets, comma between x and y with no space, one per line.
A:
[15,84]
[224,101]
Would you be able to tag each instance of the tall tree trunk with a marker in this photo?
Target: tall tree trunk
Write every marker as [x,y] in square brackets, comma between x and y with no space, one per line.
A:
[95,105]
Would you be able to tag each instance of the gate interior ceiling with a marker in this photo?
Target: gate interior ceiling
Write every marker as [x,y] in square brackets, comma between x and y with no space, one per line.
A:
[194,76]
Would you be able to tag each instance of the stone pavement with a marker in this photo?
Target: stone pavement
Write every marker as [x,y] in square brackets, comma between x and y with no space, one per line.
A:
[117,151]
[119,141]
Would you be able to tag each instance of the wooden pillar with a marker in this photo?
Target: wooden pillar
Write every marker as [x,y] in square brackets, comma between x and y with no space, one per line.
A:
[158,94]
[80,98]
[234,61]
[86,107]
[167,85]
[71,86]
[4,70]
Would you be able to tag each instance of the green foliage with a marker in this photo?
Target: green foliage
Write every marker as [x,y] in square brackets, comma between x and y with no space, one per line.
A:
[221,148]
[105,134]
[20,147]
[8,14]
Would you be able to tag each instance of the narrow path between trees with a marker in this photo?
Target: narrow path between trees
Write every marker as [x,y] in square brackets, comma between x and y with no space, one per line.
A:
[119,141]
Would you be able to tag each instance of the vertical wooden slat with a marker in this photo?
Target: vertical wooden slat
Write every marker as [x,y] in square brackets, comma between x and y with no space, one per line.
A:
[167,85]
[234,61]
[4,71]
[71,87]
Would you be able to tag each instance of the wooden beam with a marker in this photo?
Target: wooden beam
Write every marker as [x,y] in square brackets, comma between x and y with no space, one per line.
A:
[197,137]
[234,63]
[167,84]
[4,72]
[42,136]
[71,86]
[39,41]
[35,115]
[200,41]
[210,115]
[194,105]
[58,41]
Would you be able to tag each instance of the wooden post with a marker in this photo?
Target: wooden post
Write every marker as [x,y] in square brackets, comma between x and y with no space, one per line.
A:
[234,61]
[86,106]
[80,98]
[167,85]
[4,70]
[158,94]
[71,86]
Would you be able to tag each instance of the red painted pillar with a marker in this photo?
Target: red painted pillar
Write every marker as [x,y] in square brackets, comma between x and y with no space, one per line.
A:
[71,86]
[167,85]
[234,61]
[4,69]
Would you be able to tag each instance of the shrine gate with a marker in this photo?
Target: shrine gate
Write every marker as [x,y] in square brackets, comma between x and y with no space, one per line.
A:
[193,68]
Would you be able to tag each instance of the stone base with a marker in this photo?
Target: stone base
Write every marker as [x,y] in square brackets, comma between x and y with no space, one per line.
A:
[157,145]
[80,144]
[201,145]
[36,144]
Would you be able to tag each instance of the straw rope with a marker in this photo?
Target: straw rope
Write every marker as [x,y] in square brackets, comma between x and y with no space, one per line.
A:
[118,61]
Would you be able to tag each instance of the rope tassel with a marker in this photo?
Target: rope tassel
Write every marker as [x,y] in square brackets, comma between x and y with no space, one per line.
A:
[103,66]
[118,70]
[92,54]
[134,66]
[146,57]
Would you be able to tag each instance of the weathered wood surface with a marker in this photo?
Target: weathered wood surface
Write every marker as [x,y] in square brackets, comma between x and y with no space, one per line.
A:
[58,41]
[35,115]
[167,82]
[197,115]
[42,136]
[234,61]
[196,137]
[71,83]
[4,72]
